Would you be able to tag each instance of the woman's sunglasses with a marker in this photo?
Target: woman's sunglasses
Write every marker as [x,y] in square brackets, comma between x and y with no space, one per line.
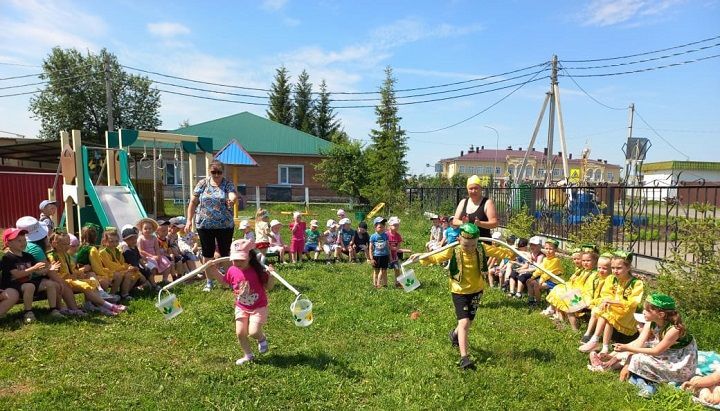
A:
[216,172]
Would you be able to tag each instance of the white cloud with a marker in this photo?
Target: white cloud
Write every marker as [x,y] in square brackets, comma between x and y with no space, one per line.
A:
[167,29]
[34,28]
[273,5]
[610,12]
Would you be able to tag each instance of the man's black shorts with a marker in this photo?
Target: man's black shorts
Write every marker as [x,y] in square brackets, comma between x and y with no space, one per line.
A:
[466,305]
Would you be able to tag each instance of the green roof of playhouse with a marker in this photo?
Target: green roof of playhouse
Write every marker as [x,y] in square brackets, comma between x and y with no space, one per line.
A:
[257,135]
[681,165]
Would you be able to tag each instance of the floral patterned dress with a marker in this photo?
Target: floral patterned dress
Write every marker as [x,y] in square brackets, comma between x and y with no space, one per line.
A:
[676,364]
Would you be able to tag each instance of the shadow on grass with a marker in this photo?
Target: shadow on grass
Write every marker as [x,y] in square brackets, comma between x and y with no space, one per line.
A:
[15,321]
[505,303]
[320,362]
[536,354]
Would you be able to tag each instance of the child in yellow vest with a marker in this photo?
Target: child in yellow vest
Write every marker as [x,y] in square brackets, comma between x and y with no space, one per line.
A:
[592,292]
[468,262]
[540,279]
[557,296]
[111,263]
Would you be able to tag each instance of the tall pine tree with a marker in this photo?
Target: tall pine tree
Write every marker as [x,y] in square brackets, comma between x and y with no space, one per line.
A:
[325,123]
[304,113]
[281,105]
[386,155]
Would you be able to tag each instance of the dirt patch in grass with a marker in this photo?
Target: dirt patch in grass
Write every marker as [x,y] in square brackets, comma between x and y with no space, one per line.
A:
[16,389]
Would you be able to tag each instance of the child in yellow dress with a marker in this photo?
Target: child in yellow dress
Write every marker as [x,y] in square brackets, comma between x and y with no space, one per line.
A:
[592,292]
[110,264]
[540,279]
[468,262]
[615,313]
[556,297]
[78,281]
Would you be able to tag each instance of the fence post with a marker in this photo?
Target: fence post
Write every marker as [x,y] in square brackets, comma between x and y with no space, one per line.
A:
[457,196]
[257,197]
[610,210]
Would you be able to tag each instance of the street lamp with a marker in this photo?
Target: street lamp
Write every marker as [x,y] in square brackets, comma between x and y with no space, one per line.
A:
[497,143]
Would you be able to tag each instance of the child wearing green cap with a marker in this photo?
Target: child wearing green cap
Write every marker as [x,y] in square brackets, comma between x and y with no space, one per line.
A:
[467,264]
[664,352]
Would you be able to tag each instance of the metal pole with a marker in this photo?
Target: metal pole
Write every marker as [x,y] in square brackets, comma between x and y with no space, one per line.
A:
[497,144]
[561,128]
[154,181]
[108,95]
[182,178]
[534,136]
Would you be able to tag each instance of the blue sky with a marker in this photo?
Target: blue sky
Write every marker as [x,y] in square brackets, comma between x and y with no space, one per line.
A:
[426,43]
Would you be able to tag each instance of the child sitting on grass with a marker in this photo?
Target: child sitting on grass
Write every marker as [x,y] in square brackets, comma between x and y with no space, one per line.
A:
[124,276]
[312,240]
[595,290]
[540,279]
[132,256]
[557,297]
[706,388]
[276,242]
[436,232]
[170,249]
[330,237]
[247,232]
[177,239]
[250,282]
[150,249]
[615,313]
[88,239]
[361,241]
[451,232]
[262,230]
[468,261]
[22,273]
[664,352]
[514,268]
[345,237]
[78,281]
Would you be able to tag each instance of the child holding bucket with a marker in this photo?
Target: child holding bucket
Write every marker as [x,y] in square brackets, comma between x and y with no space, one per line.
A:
[249,281]
[467,264]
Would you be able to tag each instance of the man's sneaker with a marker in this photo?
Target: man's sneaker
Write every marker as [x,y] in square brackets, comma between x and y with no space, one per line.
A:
[466,364]
[454,339]
[590,346]
[244,360]
[263,346]
[90,307]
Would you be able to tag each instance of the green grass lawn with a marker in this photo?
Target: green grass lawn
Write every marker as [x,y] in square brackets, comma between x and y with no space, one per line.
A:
[363,351]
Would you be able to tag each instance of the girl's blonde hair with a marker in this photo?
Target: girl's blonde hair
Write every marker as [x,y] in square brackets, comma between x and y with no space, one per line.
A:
[261,213]
[107,234]
[592,255]
[603,261]
[55,236]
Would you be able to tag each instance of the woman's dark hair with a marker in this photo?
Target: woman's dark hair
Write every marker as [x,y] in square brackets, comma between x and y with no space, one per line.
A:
[259,268]
[217,163]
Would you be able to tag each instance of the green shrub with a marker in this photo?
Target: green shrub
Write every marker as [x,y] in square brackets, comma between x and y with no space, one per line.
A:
[593,230]
[520,223]
[691,273]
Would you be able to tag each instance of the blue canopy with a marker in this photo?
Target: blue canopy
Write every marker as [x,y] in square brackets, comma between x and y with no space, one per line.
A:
[235,155]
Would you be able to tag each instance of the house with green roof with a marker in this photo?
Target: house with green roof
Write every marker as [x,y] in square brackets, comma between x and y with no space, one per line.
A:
[284,156]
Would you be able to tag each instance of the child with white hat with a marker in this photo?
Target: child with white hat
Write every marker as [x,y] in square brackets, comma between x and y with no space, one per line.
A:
[330,237]
[276,243]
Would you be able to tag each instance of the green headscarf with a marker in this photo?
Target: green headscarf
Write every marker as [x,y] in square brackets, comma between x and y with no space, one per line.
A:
[661,301]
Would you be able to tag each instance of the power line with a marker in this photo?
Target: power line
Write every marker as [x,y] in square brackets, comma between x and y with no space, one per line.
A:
[645,53]
[481,111]
[586,93]
[334,92]
[346,100]
[650,68]
[661,137]
[49,81]
[18,64]
[24,76]
[627,63]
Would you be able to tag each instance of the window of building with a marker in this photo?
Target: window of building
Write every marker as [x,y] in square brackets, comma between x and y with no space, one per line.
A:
[598,175]
[488,170]
[556,172]
[291,174]
[541,172]
[172,175]
[497,170]
[610,176]
[511,170]
[462,169]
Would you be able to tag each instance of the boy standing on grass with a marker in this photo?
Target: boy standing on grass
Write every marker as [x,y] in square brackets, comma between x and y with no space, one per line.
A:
[467,264]
[379,253]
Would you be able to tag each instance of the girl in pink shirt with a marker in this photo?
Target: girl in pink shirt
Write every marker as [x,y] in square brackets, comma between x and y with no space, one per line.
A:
[297,243]
[249,281]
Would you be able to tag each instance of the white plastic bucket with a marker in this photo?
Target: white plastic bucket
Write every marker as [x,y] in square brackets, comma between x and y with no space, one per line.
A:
[301,310]
[408,280]
[169,306]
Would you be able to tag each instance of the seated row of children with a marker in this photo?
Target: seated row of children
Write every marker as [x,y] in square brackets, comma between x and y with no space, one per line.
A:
[442,232]
[56,265]
[338,240]
[649,348]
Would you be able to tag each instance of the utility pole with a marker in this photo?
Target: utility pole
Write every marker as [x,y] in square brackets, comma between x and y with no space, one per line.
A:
[108,95]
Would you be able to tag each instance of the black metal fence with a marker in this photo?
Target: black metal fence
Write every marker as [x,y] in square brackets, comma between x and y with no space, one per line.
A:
[643,219]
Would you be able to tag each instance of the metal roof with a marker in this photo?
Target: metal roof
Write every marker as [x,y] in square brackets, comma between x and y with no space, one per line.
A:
[44,151]
[681,165]
[235,155]
[258,135]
